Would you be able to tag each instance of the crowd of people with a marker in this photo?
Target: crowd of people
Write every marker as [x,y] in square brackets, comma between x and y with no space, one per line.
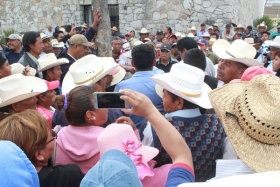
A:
[193,100]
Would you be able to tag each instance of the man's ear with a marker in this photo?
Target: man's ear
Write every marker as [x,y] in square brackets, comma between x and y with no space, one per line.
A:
[16,107]
[180,103]
[241,71]
[132,63]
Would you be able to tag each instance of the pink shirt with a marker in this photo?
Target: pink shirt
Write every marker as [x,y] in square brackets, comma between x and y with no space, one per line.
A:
[48,114]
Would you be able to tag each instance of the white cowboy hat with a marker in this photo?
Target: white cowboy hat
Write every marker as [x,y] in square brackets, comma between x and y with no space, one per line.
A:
[118,74]
[206,34]
[250,41]
[274,43]
[44,36]
[86,71]
[49,61]
[186,82]
[144,31]
[17,87]
[239,26]
[270,179]
[210,27]
[57,44]
[191,35]
[178,34]
[262,25]
[239,51]
[193,28]
[17,68]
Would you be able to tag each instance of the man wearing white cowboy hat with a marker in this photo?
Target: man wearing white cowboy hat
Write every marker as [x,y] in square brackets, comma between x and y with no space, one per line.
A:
[57,46]
[261,28]
[183,91]
[235,58]
[274,46]
[18,92]
[144,33]
[47,44]
[248,111]
[49,65]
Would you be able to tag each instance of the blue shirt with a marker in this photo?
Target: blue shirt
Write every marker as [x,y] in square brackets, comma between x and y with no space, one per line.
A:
[141,82]
[13,57]
[179,173]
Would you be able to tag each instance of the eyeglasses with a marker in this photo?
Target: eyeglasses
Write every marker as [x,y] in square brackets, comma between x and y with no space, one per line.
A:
[54,136]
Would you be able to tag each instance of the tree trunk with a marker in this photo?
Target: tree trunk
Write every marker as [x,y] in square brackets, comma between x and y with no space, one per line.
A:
[104,33]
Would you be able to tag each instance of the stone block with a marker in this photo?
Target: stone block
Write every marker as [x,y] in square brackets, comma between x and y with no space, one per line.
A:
[210,9]
[178,27]
[163,16]
[160,3]
[179,8]
[170,6]
[138,10]
[173,15]
[206,4]
[136,24]
[16,9]
[156,16]
[197,8]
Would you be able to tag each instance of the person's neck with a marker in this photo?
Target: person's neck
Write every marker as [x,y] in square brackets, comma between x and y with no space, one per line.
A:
[16,50]
[72,53]
[34,54]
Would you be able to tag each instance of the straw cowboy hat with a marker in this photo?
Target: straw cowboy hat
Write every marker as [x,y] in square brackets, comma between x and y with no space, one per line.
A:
[144,31]
[191,35]
[193,28]
[239,26]
[262,25]
[186,82]
[44,36]
[123,138]
[270,179]
[17,87]
[274,43]
[87,71]
[49,61]
[250,41]
[239,51]
[57,44]
[249,114]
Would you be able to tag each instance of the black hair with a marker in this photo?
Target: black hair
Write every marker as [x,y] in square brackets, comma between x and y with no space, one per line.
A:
[186,105]
[29,38]
[169,29]
[3,59]
[45,73]
[196,58]
[116,38]
[266,32]
[249,28]
[55,34]
[68,28]
[258,41]
[216,35]
[143,57]
[186,43]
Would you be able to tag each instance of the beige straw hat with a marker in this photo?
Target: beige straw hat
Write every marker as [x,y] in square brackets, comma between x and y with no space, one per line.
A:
[250,117]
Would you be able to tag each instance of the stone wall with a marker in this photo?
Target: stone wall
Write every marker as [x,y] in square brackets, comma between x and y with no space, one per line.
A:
[24,15]
[180,15]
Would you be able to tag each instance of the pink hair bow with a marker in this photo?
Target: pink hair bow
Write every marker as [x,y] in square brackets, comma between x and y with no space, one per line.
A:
[142,166]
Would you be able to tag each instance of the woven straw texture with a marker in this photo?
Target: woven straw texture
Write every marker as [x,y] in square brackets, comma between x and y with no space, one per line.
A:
[249,114]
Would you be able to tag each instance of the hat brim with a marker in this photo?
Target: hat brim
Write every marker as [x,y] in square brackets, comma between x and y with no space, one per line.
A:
[38,86]
[143,32]
[53,85]
[59,62]
[88,44]
[68,83]
[258,156]
[147,152]
[220,47]
[164,83]
[118,76]
[58,45]
[238,28]
[272,44]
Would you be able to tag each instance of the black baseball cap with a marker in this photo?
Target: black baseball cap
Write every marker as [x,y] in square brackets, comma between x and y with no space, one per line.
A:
[228,25]
[202,24]
[166,47]
[159,32]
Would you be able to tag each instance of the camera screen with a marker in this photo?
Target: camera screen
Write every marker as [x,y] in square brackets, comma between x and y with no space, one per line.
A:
[110,100]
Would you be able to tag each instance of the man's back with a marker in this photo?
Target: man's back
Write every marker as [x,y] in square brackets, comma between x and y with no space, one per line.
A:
[141,82]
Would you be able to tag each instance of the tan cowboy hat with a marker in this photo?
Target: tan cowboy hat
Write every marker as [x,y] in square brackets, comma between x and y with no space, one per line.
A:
[249,114]
[49,61]
[87,71]
[239,26]
[212,40]
[270,179]
[57,44]
[274,43]
[262,25]
[239,51]
[17,87]
[250,41]
[144,31]
[186,82]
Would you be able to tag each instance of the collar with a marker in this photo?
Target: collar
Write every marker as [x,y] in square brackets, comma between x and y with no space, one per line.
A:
[159,61]
[71,56]
[32,57]
[185,113]
[149,73]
